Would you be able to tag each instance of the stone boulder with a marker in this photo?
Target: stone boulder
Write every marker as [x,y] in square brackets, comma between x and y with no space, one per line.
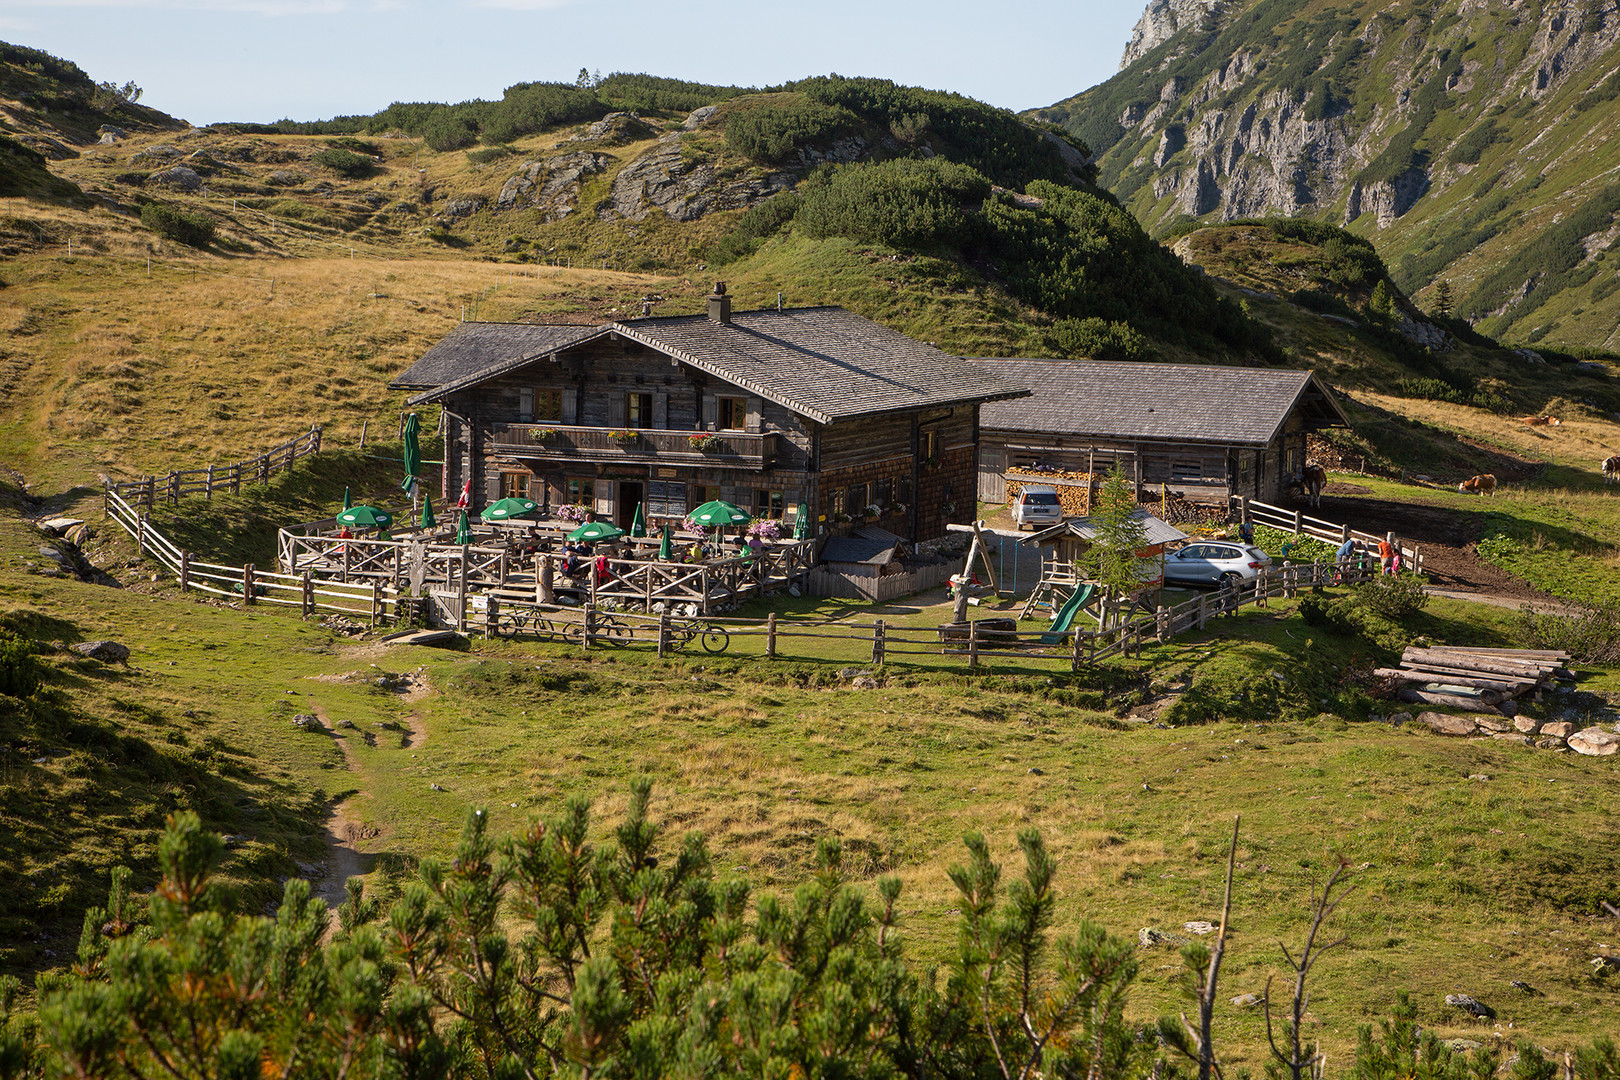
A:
[1558,730]
[1495,725]
[1442,724]
[178,177]
[698,117]
[1512,737]
[284,178]
[1529,725]
[551,186]
[1595,742]
[663,179]
[457,209]
[152,154]
[108,652]
[616,129]
[1475,1008]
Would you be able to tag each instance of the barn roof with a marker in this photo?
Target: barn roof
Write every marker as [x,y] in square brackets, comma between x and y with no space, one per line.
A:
[824,363]
[487,350]
[1228,406]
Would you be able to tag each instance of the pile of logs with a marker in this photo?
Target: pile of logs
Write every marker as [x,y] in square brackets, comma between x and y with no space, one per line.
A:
[1485,680]
[1073,488]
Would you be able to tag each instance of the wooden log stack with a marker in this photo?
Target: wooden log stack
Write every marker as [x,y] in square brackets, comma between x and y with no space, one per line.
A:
[1072,488]
[1474,678]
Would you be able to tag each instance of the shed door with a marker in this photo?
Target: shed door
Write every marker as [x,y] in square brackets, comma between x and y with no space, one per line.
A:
[992,470]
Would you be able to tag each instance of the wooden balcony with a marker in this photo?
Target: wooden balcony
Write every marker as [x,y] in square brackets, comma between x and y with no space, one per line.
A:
[557,442]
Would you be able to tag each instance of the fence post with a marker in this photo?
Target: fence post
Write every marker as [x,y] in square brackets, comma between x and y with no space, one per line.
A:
[315,439]
[877,642]
[1161,624]
[770,636]
[209,490]
[140,534]
[247,583]
[173,486]
[590,628]
[1344,533]
[544,593]
[343,574]
[663,633]
[1243,509]
[236,479]
[461,593]
[1203,610]
[973,645]
[1074,648]
[1299,522]
[491,614]
[185,571]
[308,594]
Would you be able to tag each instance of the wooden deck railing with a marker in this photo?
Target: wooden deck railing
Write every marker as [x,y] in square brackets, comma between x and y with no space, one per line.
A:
[732,449]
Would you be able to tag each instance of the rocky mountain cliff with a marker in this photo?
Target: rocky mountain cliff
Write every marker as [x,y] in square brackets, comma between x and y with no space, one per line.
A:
[1470,140]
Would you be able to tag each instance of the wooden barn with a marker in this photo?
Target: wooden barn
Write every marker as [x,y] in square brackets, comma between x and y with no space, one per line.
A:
[1205,432]
[765,409]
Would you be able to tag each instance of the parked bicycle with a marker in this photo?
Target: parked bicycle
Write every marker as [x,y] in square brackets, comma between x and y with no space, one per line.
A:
[715,639]
[607,628]
[534,623]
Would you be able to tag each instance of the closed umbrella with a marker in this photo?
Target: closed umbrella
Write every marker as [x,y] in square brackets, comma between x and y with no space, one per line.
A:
[413,454]
[666,547]
[346,501]
[506,509]
[638,524]
[801,523]
[366,517]
[463,530]
[428,520]
[596,530]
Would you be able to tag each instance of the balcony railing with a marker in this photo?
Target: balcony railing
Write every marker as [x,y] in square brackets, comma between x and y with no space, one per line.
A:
[557,442]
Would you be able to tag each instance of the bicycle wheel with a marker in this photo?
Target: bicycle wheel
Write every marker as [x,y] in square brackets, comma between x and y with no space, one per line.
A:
[715,639]
[616,632]
[509,625]
[573,633]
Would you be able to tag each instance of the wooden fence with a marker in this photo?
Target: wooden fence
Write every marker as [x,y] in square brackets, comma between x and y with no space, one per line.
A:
[373,602]
[877,590]
[1302,524]
[176,485]
[1125,634]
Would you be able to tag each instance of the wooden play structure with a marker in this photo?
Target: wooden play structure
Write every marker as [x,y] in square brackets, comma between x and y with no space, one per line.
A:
[1065,592]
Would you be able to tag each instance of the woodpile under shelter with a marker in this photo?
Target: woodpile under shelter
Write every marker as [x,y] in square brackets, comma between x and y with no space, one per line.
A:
[1203,432]
[767,409]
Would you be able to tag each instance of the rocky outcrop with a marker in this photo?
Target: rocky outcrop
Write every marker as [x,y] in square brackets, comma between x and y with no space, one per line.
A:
[1160,22]
[551,186]
[616,129]
[665,179]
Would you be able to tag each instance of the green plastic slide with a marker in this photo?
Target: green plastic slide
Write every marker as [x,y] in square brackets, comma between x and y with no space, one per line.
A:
[1066,614]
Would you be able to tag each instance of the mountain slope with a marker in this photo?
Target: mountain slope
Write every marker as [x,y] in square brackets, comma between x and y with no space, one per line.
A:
[1471,142]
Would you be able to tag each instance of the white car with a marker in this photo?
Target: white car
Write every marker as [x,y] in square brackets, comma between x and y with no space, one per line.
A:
[1213,562]
[1036,504]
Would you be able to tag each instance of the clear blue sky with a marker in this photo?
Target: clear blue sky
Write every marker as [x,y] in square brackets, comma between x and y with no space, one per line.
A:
[260,60]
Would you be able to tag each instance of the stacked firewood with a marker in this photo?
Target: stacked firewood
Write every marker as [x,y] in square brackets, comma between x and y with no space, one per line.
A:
[1485,680]
[1072,495]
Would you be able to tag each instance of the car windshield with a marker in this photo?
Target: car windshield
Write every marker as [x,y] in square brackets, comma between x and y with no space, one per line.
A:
[1040,498]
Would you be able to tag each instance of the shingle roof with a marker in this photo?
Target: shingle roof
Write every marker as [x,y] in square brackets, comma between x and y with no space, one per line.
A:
[1156,529]
[858,549]
[825,363]
[1177,402]
[487,349]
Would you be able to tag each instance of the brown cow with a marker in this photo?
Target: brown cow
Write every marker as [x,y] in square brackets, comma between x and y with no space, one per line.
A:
[1611,469]
[1309,482]
[1479,485]
[1541,421]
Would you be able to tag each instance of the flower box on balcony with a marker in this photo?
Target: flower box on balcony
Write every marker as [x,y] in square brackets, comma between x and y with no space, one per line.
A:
[622,436]
[702,442]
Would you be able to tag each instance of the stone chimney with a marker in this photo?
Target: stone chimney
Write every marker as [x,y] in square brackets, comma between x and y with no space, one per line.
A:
[719,304]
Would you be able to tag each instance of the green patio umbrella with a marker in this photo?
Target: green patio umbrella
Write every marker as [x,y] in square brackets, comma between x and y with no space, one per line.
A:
[596,530]
[801,523]
[718,514]
[346,502]
[638,524]
[413,454]
[506,509]
[366,517]
[666,547]
[428,520]
[463,530]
